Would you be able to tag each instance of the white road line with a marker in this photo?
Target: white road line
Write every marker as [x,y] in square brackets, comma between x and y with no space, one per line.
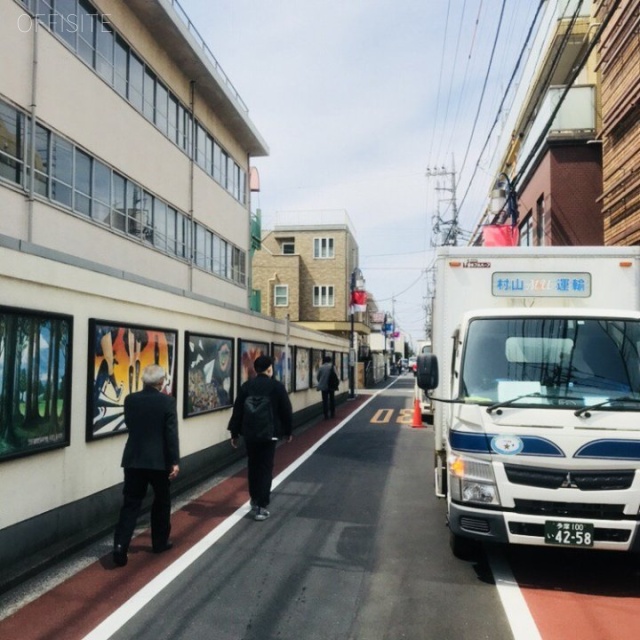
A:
[515,607]
[124,613]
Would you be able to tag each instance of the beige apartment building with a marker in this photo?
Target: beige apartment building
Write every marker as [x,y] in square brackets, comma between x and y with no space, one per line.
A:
[304,269]
[125,233]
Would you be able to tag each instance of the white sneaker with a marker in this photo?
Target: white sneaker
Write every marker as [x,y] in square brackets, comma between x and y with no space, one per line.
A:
[261,514]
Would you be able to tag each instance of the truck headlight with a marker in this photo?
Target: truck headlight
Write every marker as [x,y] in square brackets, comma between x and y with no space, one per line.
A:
[472,480]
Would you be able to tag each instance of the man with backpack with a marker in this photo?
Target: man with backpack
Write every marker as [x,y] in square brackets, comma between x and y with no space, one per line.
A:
[262,414]
[328,384]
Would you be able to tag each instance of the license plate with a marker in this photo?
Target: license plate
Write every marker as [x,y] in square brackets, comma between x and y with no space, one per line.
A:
[573,534]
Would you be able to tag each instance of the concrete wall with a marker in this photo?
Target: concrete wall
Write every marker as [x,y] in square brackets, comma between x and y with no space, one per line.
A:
[59,496]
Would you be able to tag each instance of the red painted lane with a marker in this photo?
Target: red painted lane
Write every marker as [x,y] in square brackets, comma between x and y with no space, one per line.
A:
[560,615]
[591,595]
[75,607]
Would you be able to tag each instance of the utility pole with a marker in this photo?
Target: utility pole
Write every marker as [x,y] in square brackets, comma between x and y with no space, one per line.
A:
[448,230]
[393,328]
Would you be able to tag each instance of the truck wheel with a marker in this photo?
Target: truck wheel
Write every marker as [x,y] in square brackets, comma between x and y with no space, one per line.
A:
[463,548]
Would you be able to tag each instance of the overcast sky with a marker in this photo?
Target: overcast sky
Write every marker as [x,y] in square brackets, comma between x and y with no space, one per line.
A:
[356,99]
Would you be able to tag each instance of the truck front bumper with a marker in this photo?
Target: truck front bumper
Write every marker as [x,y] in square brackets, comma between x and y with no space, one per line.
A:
[514,528]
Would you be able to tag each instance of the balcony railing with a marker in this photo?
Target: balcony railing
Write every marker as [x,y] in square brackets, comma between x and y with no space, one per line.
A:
[576,116]
[567,9]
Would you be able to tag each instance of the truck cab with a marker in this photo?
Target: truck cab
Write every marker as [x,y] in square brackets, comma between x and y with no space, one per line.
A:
[534,378]
[543,438]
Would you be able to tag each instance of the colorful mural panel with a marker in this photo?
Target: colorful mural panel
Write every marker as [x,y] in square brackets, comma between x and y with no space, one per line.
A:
[248,351]
[117,356]
[209,364]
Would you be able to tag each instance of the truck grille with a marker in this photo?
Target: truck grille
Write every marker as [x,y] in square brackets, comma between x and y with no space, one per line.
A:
[570,510]
[583,480]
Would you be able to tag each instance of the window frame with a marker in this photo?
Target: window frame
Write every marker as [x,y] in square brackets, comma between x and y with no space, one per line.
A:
[284,294]
[324,248]
[324,295]
[288,244]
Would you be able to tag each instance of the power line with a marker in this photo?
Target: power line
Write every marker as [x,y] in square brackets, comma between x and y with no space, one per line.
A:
[504,97]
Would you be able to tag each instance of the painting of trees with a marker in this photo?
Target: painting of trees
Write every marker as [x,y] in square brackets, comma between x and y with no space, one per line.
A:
[34,381]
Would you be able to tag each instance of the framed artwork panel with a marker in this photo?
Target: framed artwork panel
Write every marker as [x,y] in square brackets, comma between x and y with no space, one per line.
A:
[282,364]
[118,353]
[248,351]
[302,368]
[316,362]
[208,376]
[35,381]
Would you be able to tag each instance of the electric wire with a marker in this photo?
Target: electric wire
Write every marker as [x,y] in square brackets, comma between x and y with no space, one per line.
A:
[504,97]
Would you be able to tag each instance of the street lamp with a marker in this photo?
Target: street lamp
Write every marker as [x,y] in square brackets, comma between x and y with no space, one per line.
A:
[357,284]
[503,198]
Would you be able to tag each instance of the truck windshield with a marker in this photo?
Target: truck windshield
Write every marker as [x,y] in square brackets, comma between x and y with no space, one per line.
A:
[550,361]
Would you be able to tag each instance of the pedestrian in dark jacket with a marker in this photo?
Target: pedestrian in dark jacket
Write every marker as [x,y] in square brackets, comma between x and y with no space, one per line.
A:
[151,456]
[328,383]
[261,454]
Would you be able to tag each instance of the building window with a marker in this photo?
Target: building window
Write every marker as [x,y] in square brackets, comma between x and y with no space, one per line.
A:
[288,248]
[64,21]
[204,240]
[162,107]
[121,66]
[101,193]
[105,40]
[41,166]
[11,143]
[201,136]
[526,231]
[218,256]
[281,295]
[82,182]
[217,162]
[87,34]
[540,221]
[237,265]
[323,295]
[149,94]
[61,171]
[323,248]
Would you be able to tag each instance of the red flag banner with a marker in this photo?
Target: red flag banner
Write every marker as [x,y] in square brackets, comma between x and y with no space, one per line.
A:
[358,301]
[500,235]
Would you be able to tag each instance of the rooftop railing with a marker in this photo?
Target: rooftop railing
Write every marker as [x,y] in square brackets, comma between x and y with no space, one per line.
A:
[182,14]
[311,217]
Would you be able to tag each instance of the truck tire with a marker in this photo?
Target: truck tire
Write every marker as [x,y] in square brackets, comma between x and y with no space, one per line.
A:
[463,548]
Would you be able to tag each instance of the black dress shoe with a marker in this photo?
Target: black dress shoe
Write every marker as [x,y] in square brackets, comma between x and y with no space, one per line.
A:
[119,555]
[163,547]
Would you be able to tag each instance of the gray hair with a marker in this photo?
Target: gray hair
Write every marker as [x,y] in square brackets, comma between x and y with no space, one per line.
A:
[153,375]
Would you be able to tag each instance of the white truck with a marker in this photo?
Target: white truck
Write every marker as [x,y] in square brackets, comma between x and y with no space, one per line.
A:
[535,377]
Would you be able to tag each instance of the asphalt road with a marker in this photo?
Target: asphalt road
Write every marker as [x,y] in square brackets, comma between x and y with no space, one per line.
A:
[356,549]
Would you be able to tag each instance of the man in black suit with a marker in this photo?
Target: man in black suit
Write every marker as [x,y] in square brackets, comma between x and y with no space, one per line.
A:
[151,456]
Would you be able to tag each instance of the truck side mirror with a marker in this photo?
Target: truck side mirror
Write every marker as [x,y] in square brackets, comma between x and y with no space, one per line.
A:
[427,371]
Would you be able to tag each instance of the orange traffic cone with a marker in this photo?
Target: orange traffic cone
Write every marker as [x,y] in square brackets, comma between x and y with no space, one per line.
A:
[417,415]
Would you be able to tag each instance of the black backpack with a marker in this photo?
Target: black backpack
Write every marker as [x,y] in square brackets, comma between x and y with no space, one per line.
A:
[334,381]
[258,424]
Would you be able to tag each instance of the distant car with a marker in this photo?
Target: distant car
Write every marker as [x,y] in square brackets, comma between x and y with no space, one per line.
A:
[413,364]
[404,363]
